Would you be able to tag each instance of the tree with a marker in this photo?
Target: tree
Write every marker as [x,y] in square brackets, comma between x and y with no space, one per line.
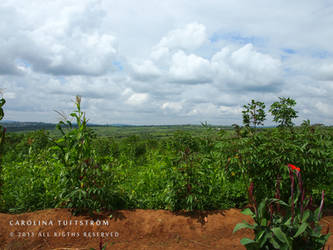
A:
[283,112]
[254,113]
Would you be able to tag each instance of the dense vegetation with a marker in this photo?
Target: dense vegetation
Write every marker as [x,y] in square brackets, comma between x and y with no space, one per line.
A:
[285,225]
[212,170]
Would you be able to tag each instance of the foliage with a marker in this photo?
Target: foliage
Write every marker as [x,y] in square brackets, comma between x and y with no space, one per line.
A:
[254,113]
[195,179]
[184,171]
[188,169]
[261,157]
[297,229]
[29,186]
[85,180]
[283,112]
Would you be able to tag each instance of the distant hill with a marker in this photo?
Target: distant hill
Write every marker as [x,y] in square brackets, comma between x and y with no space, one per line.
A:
[15,126]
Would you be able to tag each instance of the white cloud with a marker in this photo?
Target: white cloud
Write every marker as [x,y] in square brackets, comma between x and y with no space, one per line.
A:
[160,54]
[230,110]
[75,53]
[324,108]
[145,70]
[174,106]
[190,37]
[325,72]
[189,68]
[57,43]
[246,67]
[137,98]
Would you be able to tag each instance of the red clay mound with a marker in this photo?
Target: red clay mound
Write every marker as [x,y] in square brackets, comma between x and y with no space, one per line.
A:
[126,229]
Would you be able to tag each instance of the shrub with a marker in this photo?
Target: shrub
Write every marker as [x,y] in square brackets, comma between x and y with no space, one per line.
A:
[86,182]
[297,229]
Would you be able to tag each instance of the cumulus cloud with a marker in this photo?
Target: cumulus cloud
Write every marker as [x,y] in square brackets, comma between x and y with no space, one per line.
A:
[160,54]
[133,98]
[145,70]
[242,67]
[137,98]
[190,37]
[60,44]
[174,106]
[81,54]
[189,68]
[245,67]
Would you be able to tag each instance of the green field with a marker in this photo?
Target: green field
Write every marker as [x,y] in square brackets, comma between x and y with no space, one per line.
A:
[159,167]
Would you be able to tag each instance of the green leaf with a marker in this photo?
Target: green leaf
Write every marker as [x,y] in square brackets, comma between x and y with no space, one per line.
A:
[274,243]
[278,202]
[262,241]
[247,211]
[263,222]
[288,222]
[243,225]
[261,208]
[259,235]
[247,241]
[306,215]
[279,234]
[301,229]
[316,213]
[285,247]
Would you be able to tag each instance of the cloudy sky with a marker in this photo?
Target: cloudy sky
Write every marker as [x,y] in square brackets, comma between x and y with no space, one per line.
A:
[165,62]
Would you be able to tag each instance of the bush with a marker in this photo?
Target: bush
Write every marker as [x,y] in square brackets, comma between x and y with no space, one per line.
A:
[86,182]
[297,229]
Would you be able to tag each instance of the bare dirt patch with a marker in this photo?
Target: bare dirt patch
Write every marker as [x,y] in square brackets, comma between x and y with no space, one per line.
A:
[127,229]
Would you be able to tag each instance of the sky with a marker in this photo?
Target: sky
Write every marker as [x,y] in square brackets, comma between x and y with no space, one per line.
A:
[154,62]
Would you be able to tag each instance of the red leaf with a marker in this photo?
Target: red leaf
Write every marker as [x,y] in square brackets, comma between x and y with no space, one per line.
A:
[294,167]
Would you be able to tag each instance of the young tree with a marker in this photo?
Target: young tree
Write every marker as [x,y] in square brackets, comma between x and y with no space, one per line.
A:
[254,114]
[283,112]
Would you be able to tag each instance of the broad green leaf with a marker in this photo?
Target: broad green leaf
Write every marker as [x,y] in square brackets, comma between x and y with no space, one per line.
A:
[279,234]
[301,229]
[243,225]
[278,202]
[306,215]
[247,211]
[261,208]
[247,241]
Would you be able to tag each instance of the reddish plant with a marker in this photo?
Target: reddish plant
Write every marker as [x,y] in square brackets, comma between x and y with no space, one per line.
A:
[290,230]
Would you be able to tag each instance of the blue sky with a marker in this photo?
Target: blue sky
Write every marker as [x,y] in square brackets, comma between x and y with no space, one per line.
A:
[173,62]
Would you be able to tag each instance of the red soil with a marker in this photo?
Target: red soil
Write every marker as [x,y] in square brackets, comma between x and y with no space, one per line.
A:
[131,229]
